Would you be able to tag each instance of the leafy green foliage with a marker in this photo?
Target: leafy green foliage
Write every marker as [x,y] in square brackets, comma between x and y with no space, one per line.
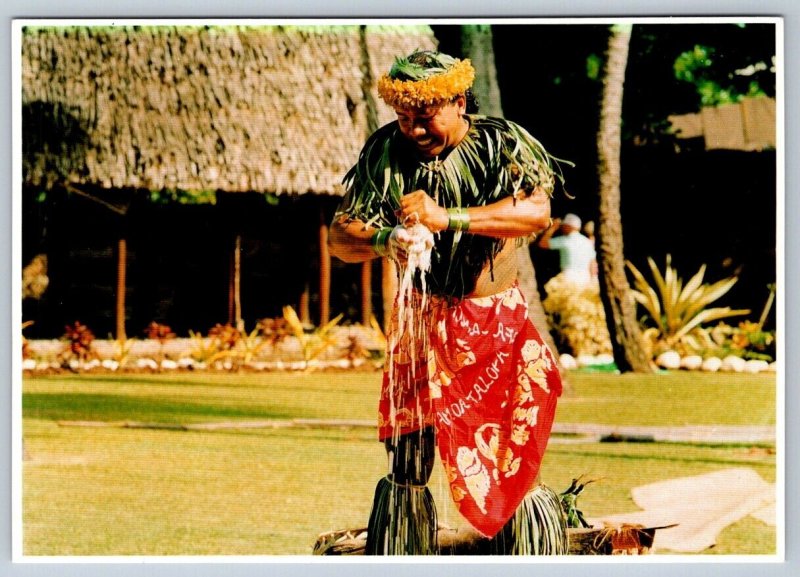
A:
[696,67]
[594,66]
[179,196]
[747,340]
[678,310]
[569,502]
[420,65]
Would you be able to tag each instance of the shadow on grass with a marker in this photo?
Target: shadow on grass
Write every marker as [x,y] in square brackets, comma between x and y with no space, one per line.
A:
[99,407]
[227,380]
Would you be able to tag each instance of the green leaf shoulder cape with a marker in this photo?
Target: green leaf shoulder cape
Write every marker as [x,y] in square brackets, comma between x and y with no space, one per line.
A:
[496,159]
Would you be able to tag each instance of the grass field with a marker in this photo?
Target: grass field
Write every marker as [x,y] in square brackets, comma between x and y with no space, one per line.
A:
[271,491]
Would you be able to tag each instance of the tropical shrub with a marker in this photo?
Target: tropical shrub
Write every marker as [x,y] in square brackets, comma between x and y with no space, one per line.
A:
[226,336]
[158,332]
[676,312]
[747,340]
[79,342]
[274,330]
[313,344]
[575,312]
[161,333]
[203,350]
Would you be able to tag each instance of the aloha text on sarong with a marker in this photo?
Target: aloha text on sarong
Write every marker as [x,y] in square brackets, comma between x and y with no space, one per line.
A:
[491,373]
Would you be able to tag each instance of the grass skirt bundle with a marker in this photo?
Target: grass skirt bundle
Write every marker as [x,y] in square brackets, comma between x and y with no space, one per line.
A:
[402,521]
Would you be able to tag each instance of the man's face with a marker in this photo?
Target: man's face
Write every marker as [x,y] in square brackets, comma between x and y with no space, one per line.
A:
[433,129]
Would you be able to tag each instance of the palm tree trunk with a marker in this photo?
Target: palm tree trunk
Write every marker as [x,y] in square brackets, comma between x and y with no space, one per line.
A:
[477,45]
[620,308]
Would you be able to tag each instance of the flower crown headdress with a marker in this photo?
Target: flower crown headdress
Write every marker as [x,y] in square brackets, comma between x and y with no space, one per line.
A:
[425,78]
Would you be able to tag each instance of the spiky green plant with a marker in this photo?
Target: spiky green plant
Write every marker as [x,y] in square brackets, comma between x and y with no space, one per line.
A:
[678,311]
[250,345]
[122,350]
[204,350]
[569,502]
[315,343]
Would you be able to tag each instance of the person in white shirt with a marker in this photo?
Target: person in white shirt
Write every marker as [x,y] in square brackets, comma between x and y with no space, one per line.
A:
[576,252]
[573,302]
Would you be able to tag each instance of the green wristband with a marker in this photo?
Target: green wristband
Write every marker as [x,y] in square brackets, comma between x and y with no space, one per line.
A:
[380,239]
[457,219]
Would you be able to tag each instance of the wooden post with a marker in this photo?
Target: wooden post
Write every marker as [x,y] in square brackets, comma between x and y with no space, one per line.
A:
[324,271]
[237,283]
[231,291]
[234,286]
[304,310]
[366,292]
[122,264]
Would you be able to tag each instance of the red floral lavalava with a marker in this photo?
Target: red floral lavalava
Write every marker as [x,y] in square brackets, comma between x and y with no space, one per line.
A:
[492,388]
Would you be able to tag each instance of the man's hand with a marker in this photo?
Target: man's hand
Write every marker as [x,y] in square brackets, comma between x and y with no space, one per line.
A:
[404,241]
[419,208]
[544,240]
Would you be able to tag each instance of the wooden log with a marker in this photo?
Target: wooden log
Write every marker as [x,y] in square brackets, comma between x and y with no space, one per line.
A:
[622,540]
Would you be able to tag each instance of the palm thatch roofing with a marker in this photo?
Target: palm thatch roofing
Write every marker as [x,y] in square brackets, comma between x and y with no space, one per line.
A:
[278,109]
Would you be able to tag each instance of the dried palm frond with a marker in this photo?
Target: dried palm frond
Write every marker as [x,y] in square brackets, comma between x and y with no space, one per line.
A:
[402,521]
[538,527]
[495,159]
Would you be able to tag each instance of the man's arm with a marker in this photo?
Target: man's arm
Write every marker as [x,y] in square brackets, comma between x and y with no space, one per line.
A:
[351,241]
[506,218]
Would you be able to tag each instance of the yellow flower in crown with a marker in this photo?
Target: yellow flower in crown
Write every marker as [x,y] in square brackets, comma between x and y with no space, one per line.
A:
[425,78]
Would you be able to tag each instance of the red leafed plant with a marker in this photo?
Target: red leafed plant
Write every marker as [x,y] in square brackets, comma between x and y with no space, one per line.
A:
[226,335]
[79,338]
[159,332]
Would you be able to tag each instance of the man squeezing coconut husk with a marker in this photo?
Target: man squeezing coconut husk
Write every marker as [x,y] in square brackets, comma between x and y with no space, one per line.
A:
[445,193]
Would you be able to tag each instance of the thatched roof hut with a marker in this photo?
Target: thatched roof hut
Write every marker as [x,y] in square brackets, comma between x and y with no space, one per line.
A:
[202,110]
[280,109]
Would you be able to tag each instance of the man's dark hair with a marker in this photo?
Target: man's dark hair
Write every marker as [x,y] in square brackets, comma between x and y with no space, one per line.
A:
[472,102]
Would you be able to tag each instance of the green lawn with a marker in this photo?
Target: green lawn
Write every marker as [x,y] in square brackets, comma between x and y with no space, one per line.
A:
[256,491]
